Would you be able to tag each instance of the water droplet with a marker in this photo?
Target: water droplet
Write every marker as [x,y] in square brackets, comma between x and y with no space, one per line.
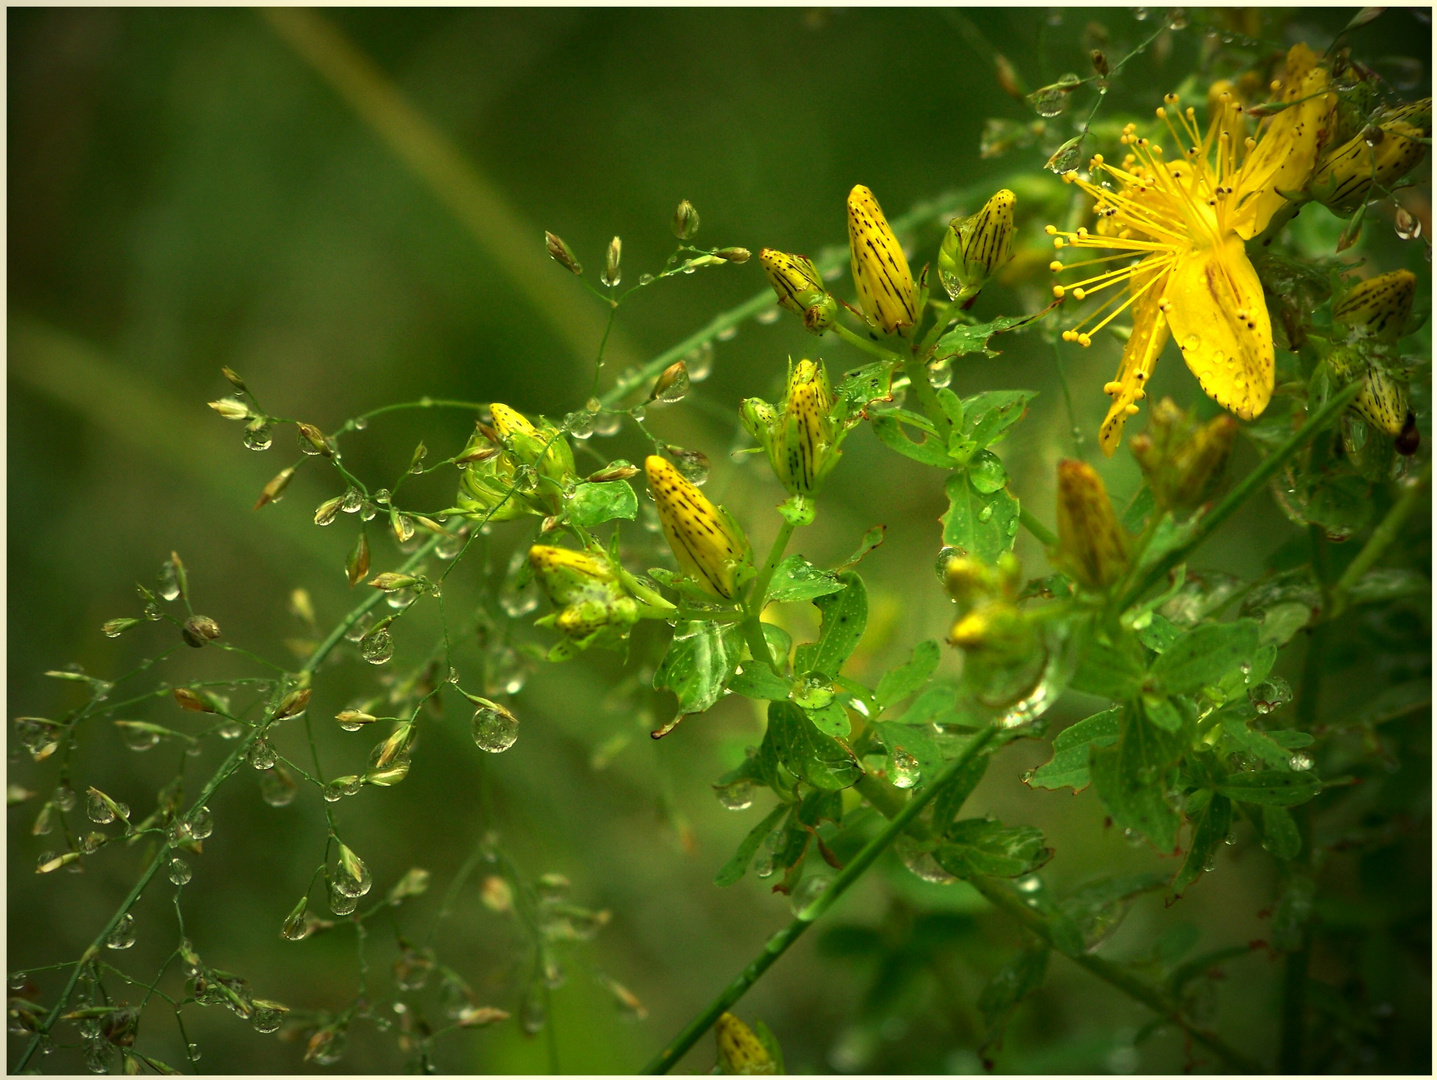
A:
[99,1056]
[1140,13]
[809,890]
[92,842]
[676,387]
[921,863]
[123,935]
[262,755]
[1049,102]
[230,730]
[342,786]
[987,474]
[813,690]
[764,867]
[138,739]
[413,968]
[579,424]
[179,871]
[277,787]
[692,465]
[904,772]
[506,672]
[940,373]
[495,728]
[985,515]
[258,435]
[1270,695]
[331,1051]
[340,902]
[97,810]
[532,1014]
[266,1016]
[736,796]
[377,646]
[1299,763]
[201,823]
[296,927]
[638,412]
[64,798]
[768,316]
[609,423]
[945,556]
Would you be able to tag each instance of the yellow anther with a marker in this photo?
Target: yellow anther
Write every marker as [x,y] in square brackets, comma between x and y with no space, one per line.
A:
[1057,241]
[1084,340]
[1070,335]
[1131,410]
[1082,230]
[1160,113]
[1080,293]
[1112,388]
[1055,266]
[1058,291]
[1170,98]
[1050,229]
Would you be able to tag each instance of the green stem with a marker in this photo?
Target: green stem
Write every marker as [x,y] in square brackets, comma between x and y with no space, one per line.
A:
[777,945]
[1037,528]
[928,397]
[1382,537]
[752,625]
[862,343]
[1264,472]
[1139,989]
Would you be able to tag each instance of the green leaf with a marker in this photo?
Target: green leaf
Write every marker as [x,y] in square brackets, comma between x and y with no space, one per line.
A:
[1108,671]
[1131,779]
[1201,657]
[757,681]
[770,1043]
[1271,787]
[1244,739]
[871,539]
[1014,981]
[988,416]
[798,579]
[981,525]
[820,806]
[929,451]
[933,705]
[780,643]
[832,719]
[910,677]
[807,752]
[913,741]
[1069,764]
[951,798]
[700,660]
[1210,831]
[594,504]
[1162,712]
[962,340]
[1279,833]
[975,846]
[1159,633]
[770,767]
[734,869]
[1097,908]
[1138,509]
[845,615]
[870,382]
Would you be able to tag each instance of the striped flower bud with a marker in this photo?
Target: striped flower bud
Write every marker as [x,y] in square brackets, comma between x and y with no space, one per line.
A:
[710,548]
[568,576]
[800,288]
[1092,547]
[740,1053]
[1344,179]
[487,485]
[976,247]
[802,440]
[1378,307]
[880,271]
[1382,399]
[1183,461]
[528,443]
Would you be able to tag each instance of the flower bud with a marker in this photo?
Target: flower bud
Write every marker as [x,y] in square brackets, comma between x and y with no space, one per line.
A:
[710,548]
[739,255]
[968,581]
[312,441]
[1378,307]
[1000,630]
[560,253]
[1344,179]
[1183,461]
[974,248]
[392,582]
[612,274]
[234,379]
[880,271]
[231,408]
[275,488]
[686,221]
[568,576]
[1092,547]
[199,630]
[739,1051]
[1382,399]
[800,288]
[528,442]
[801,442]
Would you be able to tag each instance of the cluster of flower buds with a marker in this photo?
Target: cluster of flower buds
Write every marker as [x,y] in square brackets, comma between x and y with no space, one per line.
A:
[1182,460]
[886,292]
[990,623]
[977,247]
[799,433]
[514,468]
[1092,546]
[800,288]
[711,549]
[593,607]
[1372,314]
[1378,156]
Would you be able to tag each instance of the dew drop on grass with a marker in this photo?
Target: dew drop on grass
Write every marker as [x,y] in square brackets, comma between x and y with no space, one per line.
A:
[532,1014]
[277,787]
[377,646]
[123,935]
[341,903]
[262,755]
[495,729]
[179,871]
[905,772]
[98,810]
[737,796]
[809,890]
[202,823]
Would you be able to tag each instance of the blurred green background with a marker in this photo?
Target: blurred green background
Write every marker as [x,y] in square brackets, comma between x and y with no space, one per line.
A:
[349,214]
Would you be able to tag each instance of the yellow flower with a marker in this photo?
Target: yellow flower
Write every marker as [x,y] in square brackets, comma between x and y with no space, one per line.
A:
[710,549]
[1186,222]
[880,271]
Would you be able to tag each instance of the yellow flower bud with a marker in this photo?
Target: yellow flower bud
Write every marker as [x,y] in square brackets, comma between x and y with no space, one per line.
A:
[880,271]
[974,248]
[487,487]
[710,549]
[1378,307]
[800,288]
[1344,179]
[999,630]
[1183,461]
[739,1051]
[1092,546]
[568,576]
[802,441]
[1382,399]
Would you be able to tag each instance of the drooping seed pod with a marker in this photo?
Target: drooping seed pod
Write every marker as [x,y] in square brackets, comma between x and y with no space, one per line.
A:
[686,221]
[561,253]
[1092,546]
[710,548]
[886,291]
[976,247]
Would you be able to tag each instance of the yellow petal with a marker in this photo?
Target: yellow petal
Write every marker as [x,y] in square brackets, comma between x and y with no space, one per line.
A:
[1231,356]
[1140,356]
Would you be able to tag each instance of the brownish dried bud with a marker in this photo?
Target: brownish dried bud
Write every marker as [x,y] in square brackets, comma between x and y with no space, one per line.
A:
[294,703]
[187,699]
[561,254]
[686,221]
[312,440]
[274,490]
[734,254]
[1092,546]
[357,565]
[199,630]
[615,471]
